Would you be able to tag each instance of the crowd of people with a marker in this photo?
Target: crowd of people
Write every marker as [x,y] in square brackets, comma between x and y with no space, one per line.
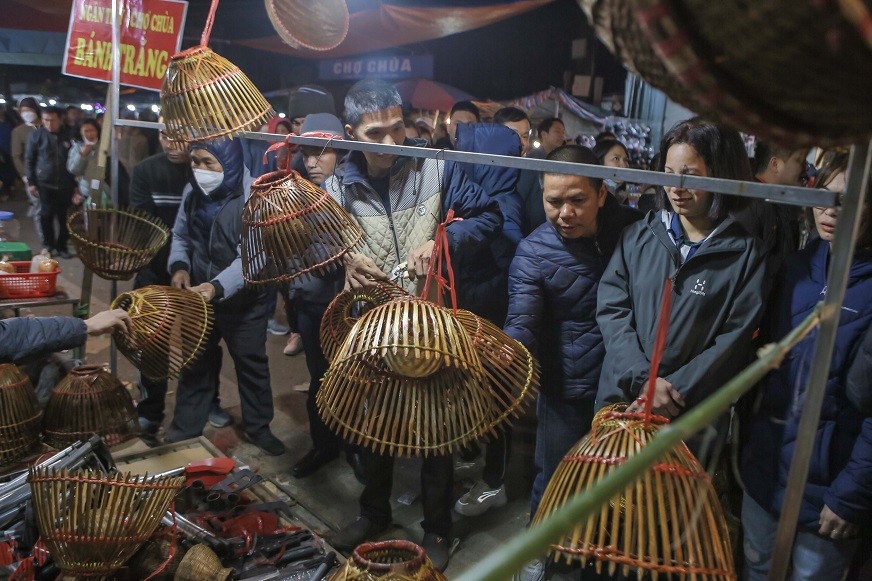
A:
[569,266]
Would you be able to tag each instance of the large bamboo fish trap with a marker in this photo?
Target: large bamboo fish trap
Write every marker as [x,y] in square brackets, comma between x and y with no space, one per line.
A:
[204,96]
[348,306]
[20,416]
[313,25]
[116,243]
[809,89]
[406,381]
[92,523]
[388,561]
[292,228]
[89,400]
[169,329]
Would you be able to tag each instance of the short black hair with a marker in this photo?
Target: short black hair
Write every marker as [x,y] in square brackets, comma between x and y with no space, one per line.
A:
[575,154]
[71,107]
[765,151]
[52,111]
[510,115]
[92,122]
[467,106]
[605,135]
[369,96]
[546,124]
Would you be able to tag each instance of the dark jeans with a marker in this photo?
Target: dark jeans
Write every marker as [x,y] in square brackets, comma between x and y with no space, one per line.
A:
[496,457]
[309,316]
[244,334]
[54,204]
[561,423]
[437,488]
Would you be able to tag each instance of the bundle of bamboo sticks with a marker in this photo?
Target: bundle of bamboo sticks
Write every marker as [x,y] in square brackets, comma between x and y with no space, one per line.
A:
[292,228]
[92,522]
[116,243]
[20,416]
[169,329]
[388,561]
[89,400]
[669,522]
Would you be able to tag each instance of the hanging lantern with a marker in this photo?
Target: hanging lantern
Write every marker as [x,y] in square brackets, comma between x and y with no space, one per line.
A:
[20,416]
[293,228]
[169,329]
[314,25]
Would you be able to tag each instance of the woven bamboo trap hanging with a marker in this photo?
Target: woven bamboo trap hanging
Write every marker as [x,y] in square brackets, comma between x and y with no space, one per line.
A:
[388,561]
[406,381]
[169,329]
[317,26]
[293,228]
[204,96]
[116,243]
[348,306]
[89,400]
[92,523]
[20,416]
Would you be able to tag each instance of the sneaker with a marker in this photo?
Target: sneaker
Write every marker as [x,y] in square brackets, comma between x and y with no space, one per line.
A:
[480,499]
[219,418]
[436,547]
[532,571]
[295,344]
[357,531]
[266,442]
[275,328]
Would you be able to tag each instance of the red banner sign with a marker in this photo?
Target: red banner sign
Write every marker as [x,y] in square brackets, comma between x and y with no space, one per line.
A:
[150,33]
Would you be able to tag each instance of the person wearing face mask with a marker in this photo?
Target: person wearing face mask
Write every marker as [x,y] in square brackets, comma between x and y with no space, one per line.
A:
[82,161]
[205,258]
[28,109]
[613,154]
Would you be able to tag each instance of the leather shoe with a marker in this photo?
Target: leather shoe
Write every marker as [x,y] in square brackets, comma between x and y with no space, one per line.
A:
[312,461]
[266,442]
[436,547]
[359,530]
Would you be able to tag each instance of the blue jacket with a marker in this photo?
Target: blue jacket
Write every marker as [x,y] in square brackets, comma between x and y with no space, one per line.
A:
[840,473]
[22,337]
[553,285]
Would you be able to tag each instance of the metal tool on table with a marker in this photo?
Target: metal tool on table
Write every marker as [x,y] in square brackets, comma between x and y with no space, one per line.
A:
[239,480]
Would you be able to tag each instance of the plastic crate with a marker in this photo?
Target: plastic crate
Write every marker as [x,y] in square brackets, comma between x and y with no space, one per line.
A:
[15,250]
[24,284]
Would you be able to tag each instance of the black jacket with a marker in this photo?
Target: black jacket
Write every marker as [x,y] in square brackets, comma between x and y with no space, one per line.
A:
[26,336]
[716,307]
[45,160]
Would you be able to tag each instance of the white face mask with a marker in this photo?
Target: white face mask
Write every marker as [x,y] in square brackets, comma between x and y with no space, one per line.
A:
[88,142]
[28,116]
[208,180]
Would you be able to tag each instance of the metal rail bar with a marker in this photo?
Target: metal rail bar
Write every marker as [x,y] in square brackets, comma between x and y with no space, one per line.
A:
[790,195]
[841,254]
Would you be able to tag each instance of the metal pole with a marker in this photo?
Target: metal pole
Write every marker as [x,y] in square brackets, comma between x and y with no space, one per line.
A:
[522,548]
[115,108]
[841,254]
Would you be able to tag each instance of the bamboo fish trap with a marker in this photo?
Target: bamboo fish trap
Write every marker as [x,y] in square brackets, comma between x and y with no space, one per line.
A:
[116,243]
[388,561]
[204,96]
[201,564]
[20,416]
[293,228]
[159,551]
[92,523]
[89,400]
[348,307]
[406,381]
[169,329]
[313,25]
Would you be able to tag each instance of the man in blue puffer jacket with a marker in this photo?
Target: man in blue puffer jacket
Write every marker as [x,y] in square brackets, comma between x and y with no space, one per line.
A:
[553,285]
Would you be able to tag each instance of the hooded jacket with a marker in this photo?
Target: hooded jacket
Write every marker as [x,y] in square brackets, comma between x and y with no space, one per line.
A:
[553,285]
[840,470]
[206,234]
[716,306]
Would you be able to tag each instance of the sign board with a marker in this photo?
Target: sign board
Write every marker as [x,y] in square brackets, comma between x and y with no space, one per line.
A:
[385,67]
[151,33]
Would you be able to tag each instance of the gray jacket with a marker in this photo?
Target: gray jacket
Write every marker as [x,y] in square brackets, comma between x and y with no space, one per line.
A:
[26,336]
[717,302]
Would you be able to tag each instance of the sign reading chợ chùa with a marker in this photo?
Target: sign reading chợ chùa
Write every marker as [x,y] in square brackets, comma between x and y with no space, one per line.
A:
[386,67]
[150,34]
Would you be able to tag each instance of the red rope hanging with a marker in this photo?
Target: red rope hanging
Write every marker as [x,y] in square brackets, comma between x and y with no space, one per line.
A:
[207,30]
[659,346]
[437,264]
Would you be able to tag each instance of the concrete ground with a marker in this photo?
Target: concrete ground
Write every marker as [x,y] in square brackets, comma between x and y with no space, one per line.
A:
[331,493]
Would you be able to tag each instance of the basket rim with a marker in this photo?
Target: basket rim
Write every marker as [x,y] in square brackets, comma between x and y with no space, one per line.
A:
[135,214]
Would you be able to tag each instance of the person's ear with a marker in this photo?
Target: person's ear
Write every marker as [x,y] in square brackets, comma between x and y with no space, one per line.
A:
[775,164]
[349,130]
[601,197]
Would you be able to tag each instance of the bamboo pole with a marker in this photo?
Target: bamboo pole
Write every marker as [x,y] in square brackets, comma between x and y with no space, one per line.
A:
[536,541]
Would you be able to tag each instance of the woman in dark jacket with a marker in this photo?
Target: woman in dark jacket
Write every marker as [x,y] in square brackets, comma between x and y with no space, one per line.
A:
[716,269]
[837,499]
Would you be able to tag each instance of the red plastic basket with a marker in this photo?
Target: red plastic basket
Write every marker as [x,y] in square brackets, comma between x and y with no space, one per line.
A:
[25,284]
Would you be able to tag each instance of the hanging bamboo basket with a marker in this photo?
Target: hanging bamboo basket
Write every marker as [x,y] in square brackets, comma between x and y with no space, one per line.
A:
[314,25]
[669,522]
[20,416]
[292,228]
[169,329]
[406,381]
[92,523]
[89,400]
[388,561]
[116,243]
[348,306]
